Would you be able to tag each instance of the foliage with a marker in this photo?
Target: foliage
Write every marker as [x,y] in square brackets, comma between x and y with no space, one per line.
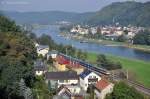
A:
[17,53]
[123,91]
[81,55]
[46,40]
[143,37]
[7,25]
[130,12]
[106,63]
[41,89]
[121,38]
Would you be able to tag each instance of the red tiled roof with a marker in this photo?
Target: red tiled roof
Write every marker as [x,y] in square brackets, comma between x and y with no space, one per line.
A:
[61,60]
[74,65]
[102,84]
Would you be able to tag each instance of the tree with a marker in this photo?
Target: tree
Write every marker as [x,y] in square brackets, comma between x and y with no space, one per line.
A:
[46,40]
[121,38]
[101,60]
[123,91]
[81,55]
[106,63]
[143,38]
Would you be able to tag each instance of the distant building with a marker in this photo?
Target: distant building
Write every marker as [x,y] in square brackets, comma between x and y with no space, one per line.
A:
[93,30]
[40,68]
[102,88]
[42,50]
[88,78]
[56,79]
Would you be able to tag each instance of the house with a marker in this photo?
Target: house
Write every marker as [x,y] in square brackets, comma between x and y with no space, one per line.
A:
[53,54]
[88,78]
[75,66]
[102,88]
[69,92]
[40,68]
[56,79]
[60,63]
[42,50]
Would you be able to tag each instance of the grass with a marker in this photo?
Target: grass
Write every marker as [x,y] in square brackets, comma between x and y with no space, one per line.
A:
[140,68]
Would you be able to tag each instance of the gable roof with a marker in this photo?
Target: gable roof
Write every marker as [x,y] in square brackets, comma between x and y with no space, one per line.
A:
[41,47]
[39,65]
[52,52]
[85,73]
[102,84]
[64,75]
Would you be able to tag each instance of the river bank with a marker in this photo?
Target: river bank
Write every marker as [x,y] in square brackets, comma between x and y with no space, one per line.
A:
[144,48]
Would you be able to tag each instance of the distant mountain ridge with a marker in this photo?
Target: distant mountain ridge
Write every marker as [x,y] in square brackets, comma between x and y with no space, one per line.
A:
[125,13]
[48,17]
[134,13]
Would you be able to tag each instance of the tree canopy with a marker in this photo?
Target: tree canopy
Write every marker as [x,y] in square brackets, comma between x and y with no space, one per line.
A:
[17,53]
[123,91]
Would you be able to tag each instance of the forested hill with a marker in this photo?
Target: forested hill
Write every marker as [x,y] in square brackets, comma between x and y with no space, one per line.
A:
[17,53]
[125,13]
[134,13]
[48,17]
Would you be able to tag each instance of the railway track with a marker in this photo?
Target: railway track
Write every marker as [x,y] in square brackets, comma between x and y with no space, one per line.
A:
[139,87]
[86,65]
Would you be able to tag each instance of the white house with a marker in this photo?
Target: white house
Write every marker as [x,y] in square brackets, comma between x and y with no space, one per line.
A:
[42,50]
[88,78]
[102,88]
[40,68]
[69,92]
[56,79]
[94,30]
[53,54]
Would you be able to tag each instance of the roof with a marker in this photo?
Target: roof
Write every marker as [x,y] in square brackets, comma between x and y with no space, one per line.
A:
[53,52]
[63,75]
[102,84]
[41,47]
[62,60]
[85,73]
[39,65]
[74,66]
[68,93]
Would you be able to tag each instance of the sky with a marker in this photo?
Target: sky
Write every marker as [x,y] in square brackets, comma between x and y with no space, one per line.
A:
[56,5]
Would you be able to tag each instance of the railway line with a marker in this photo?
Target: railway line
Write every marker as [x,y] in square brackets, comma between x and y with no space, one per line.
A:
[98,70]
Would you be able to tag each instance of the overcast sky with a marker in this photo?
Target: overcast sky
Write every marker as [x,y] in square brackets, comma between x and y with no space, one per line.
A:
[60,5]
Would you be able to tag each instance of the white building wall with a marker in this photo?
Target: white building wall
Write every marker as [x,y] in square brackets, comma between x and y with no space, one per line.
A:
[42,52]
[39,73]
[84,82]
[67,82]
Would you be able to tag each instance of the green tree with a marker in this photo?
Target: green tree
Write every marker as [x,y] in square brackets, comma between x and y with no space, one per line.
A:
[122,38]
[143,37]
[123,91]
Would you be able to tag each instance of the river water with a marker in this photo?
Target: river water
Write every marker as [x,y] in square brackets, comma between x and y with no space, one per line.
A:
[53,31]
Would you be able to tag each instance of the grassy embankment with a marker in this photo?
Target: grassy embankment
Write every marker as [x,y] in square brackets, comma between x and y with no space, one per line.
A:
[140,68]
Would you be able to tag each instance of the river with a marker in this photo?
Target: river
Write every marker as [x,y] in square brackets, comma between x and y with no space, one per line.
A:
[53,31]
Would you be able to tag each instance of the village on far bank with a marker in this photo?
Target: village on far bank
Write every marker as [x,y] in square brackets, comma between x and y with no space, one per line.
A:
[114,32]
[70,77]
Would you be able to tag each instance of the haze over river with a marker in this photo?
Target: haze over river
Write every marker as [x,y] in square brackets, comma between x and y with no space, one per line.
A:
[53,31]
